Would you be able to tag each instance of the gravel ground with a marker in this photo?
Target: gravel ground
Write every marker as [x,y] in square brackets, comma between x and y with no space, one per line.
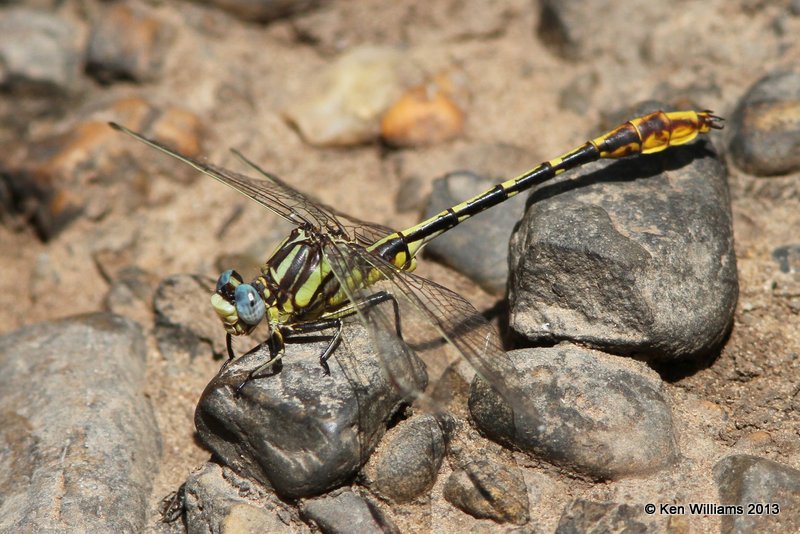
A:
[93,221]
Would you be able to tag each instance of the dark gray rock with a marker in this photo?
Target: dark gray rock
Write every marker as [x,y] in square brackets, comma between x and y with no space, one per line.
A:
[346,513]
[584,410]
[217,500]
[744,479]
[39,51]
[788,258]
[487,489]
[582,515]
[78,439]
[299,431]
[766,126]
[408,459]
[479,247]
[632,257]
[262,10]
[127,42]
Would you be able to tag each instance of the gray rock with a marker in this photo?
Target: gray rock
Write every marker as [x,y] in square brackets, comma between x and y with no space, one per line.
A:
[766,125]
[408,459]
[186,325]
[297,430]
[79,441]
[479,247]
[346,513]
[217,500]
[635,256]
[572,29]
[127,42]
[584,410]
[582,515]
[131,294]
[39,51]
[487,489]
[788,258]
[744,479]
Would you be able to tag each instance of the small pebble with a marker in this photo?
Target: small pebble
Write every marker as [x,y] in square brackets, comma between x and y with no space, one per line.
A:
[487,489]
[39,51]
[788,258]
[426,114]
[766,126]
[347,100]
[215,496]
[407,460]
[127,42]
[346,513]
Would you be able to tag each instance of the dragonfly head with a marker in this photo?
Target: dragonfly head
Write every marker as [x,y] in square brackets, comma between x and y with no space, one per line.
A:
[240,306]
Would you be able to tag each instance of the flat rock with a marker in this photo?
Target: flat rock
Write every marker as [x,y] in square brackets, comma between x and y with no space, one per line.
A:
[346,512]
[596,414]
[79,439]
[766,125]
[297,430]
[744,480]
[632,257]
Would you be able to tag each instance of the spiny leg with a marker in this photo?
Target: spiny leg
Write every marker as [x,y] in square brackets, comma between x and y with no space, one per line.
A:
[336,322]
[229,346]
[276,346]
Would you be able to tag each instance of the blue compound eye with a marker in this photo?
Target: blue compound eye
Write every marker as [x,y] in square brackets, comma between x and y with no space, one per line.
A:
[228,277]
[249,306]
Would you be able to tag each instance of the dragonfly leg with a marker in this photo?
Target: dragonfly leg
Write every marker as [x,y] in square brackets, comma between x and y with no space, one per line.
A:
[315,326]
[276,350]
[382,296]
[229,346]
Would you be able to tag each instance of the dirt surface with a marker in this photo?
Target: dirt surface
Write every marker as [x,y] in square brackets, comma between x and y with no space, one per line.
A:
[238,78]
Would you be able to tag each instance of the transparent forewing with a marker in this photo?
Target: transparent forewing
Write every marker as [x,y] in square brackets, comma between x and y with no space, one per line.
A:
[279,197]
[441,313]
[320,215]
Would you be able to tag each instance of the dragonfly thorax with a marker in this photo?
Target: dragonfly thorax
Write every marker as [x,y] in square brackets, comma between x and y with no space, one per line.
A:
[296,283]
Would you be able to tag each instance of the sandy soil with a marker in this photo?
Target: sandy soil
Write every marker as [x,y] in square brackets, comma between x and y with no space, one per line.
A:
[238,77]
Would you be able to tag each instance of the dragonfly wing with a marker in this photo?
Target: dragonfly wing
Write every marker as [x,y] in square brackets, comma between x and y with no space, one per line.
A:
[363,232]
[441,312]
[277,196]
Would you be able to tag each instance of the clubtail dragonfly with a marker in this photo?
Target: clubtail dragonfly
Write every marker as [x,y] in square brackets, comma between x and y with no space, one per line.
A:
[328,266]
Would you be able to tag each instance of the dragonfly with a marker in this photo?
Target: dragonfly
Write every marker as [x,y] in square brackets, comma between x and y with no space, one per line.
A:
[330,265]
